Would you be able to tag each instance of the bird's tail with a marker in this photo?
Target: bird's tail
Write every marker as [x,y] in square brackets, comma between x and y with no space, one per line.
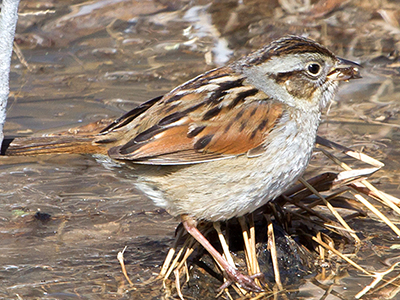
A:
[80,140]
[50,145]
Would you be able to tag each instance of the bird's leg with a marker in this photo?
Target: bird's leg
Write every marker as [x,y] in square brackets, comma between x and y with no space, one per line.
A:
[231,273]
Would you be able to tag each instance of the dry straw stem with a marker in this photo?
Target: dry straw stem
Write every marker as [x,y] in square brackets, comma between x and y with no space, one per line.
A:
[394,292]
[307,208]
[357,155]
[327,288]
[21,57]
[250,247]
[272,249]
[378,278]
[188,244]
[321,256]
[177,267]
[224,244]
[246,239]
[120,258]
[170,255]
[377,213]
[182,263]
[328,247]
[370,187]
[324,225]
[252,229]
[227,255]
[178,283]
[362,189]
[381,196]
[332,209]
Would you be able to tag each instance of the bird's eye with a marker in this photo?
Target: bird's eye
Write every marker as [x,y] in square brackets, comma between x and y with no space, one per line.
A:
[314,68]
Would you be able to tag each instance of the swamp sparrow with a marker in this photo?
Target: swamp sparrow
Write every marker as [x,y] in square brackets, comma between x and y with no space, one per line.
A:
[224,143]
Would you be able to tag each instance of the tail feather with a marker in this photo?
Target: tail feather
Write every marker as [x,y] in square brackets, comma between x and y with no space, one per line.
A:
[51,145]
[79,140]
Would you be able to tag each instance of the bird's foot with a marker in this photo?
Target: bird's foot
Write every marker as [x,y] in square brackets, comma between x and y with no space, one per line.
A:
[245,281]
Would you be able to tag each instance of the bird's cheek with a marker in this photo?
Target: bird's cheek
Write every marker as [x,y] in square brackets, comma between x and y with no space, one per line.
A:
[301,89]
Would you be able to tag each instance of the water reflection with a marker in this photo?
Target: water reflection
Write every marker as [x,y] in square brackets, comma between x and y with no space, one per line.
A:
[95,60]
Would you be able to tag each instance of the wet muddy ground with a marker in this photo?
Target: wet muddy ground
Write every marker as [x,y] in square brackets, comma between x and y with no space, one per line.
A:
[63,219]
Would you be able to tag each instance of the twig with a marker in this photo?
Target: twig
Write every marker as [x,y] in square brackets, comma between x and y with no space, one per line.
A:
[332,209]
[227,254]
[357,155]
[378,277]
[377,213]
[369,186]
[358,267]
[21,57]
[120,258]
[171,252]
[272,249]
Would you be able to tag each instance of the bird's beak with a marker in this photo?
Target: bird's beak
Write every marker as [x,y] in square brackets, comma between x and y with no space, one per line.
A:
[345,70]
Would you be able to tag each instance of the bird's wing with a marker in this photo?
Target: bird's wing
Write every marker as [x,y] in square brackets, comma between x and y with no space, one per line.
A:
[214,116]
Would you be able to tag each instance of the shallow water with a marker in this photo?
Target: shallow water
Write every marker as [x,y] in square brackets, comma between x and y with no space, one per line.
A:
[94,60]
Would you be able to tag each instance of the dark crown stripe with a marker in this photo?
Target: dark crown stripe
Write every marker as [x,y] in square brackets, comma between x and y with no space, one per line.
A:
[285,46]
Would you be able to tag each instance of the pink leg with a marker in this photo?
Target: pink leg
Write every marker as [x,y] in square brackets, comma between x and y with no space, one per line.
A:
[232,274]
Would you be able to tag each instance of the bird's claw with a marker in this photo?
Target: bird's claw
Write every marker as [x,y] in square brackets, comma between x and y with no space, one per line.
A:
[245,281]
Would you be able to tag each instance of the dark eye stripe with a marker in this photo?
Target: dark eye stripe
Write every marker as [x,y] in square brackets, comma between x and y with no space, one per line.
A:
[286,46]
[282,77]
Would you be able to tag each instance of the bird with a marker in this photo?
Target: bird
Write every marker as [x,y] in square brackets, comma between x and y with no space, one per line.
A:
[223,144]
